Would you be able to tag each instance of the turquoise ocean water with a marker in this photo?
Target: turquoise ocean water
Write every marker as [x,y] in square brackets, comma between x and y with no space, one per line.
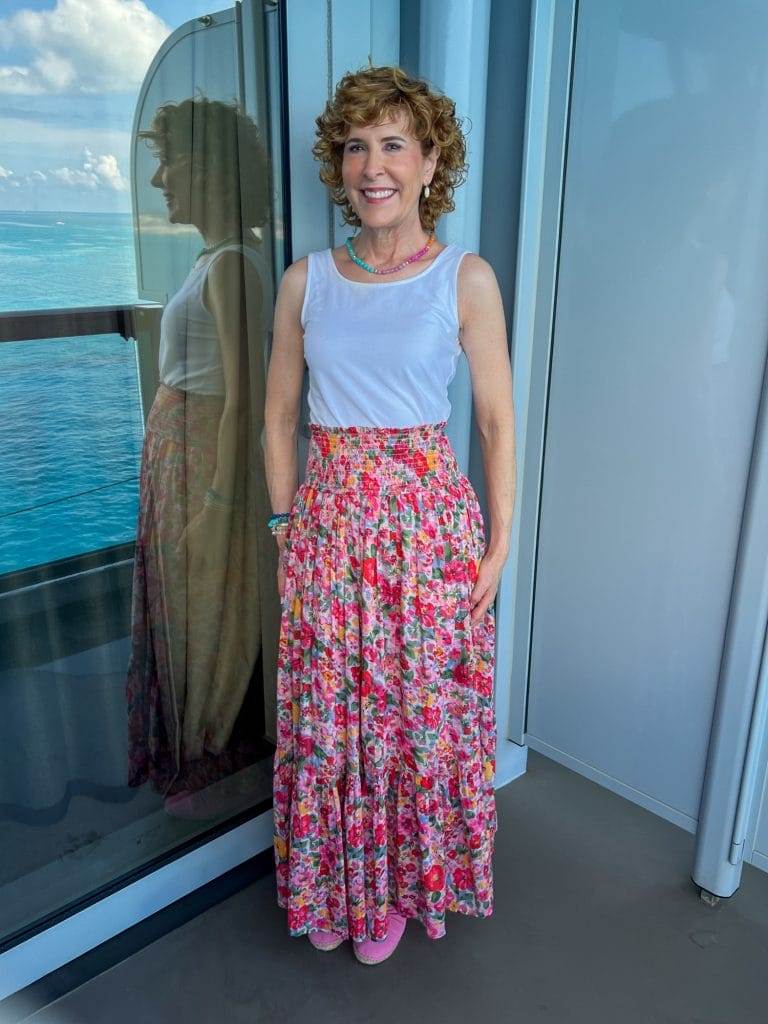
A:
[71,426]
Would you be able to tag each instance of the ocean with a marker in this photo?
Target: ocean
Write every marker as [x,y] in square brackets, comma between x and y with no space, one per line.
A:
[71,427]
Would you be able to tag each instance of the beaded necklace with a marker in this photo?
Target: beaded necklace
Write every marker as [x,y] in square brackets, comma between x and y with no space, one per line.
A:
[217,245]
[389,270]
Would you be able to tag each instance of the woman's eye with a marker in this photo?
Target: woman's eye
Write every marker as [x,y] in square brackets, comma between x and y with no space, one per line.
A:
[356,145]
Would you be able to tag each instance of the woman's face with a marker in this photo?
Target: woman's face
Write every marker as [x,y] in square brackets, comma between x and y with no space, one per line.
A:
[385,158]
[174,178]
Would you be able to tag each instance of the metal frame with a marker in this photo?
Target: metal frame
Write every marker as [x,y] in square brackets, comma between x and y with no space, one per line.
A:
[550,66]
[730,782]
[84,321]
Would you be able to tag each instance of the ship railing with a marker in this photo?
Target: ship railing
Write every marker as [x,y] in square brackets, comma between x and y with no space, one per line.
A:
[43,608]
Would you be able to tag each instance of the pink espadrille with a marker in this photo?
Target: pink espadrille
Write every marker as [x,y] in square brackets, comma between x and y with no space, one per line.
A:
[373,951]
[325,940]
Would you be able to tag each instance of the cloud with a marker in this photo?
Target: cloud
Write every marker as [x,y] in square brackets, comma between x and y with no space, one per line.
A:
[12,180]
[98,172]
[81,46]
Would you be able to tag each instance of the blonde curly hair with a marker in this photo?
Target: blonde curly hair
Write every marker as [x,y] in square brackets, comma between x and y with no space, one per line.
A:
[374,94]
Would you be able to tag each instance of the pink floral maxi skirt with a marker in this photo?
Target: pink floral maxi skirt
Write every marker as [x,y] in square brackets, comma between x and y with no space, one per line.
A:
[386,731]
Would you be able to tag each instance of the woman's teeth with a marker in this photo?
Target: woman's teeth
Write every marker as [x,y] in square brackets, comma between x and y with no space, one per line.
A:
[378,193]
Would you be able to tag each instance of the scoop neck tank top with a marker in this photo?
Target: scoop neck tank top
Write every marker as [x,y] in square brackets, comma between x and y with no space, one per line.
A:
[190,353]
[381,354]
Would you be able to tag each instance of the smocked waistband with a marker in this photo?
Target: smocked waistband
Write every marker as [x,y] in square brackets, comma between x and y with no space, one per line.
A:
[379,438]
[377,459]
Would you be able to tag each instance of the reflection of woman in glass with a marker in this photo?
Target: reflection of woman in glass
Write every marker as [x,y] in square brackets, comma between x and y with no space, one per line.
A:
[195,598]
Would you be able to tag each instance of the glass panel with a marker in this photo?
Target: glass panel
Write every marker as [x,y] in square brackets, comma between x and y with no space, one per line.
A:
[74,490]
[139,612]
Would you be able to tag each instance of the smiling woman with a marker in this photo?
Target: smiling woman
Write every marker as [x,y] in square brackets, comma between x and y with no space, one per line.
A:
[383,773]
[373,109]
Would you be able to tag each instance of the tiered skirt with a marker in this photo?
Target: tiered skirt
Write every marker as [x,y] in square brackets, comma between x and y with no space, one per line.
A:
[386,731]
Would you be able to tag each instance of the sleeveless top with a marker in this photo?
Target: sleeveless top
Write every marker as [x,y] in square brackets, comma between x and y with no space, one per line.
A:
[190,354]
[381,354]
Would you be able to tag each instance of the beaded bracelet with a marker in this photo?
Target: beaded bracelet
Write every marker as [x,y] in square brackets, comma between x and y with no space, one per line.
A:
[278,521]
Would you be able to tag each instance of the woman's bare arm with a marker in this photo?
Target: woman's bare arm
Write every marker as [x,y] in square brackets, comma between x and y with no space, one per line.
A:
[484,339]
[285,377]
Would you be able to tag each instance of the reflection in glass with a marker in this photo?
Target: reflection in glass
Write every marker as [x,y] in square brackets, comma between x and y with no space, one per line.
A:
[197,714]
[196,617]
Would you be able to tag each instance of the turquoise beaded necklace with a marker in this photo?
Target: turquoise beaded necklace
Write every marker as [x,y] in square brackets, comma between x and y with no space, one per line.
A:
[389,270]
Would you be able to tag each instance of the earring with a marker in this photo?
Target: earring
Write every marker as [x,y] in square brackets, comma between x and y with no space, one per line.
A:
[426,191]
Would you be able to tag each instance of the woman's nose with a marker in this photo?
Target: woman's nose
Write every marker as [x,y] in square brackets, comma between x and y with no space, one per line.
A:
[157,178]
[372,165]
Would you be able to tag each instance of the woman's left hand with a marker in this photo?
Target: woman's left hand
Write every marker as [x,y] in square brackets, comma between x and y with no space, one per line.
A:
[486,584]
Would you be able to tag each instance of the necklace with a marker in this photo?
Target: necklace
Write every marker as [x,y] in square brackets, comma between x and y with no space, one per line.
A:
[389,270]
[217,245]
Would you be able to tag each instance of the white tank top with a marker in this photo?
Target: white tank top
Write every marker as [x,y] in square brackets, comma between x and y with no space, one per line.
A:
[190,354]
[381,354]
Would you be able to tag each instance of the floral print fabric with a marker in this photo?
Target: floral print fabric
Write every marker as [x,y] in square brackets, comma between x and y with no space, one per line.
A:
[187,630]
[384,766]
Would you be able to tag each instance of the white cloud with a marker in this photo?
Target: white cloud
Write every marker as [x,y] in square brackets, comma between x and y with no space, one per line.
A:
[81,46]
[5,173]
[98,172]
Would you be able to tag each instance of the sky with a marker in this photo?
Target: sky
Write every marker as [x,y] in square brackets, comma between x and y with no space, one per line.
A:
[70,74]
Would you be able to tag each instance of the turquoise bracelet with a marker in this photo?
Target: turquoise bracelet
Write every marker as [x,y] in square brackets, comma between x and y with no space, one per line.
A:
[278,517]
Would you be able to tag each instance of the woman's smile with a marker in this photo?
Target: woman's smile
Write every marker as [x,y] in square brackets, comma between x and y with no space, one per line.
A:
[378,195]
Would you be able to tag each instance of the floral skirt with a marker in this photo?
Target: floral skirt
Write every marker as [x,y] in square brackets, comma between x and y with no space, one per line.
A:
[195,635]
[383,772]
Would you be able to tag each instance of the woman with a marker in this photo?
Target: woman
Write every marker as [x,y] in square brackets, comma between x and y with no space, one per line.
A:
[196,608]
[383,773]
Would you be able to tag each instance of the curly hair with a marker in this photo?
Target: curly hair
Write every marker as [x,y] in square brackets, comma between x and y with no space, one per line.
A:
[372,95]
[224,147]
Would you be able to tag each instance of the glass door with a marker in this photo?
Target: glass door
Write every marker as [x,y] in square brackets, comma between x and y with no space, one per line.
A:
[139,610]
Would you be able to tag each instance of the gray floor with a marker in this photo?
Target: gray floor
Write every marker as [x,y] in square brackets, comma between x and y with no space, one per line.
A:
[596,920]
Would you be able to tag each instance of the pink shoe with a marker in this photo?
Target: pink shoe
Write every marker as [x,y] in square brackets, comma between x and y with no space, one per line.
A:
[325,940]
[373,951]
